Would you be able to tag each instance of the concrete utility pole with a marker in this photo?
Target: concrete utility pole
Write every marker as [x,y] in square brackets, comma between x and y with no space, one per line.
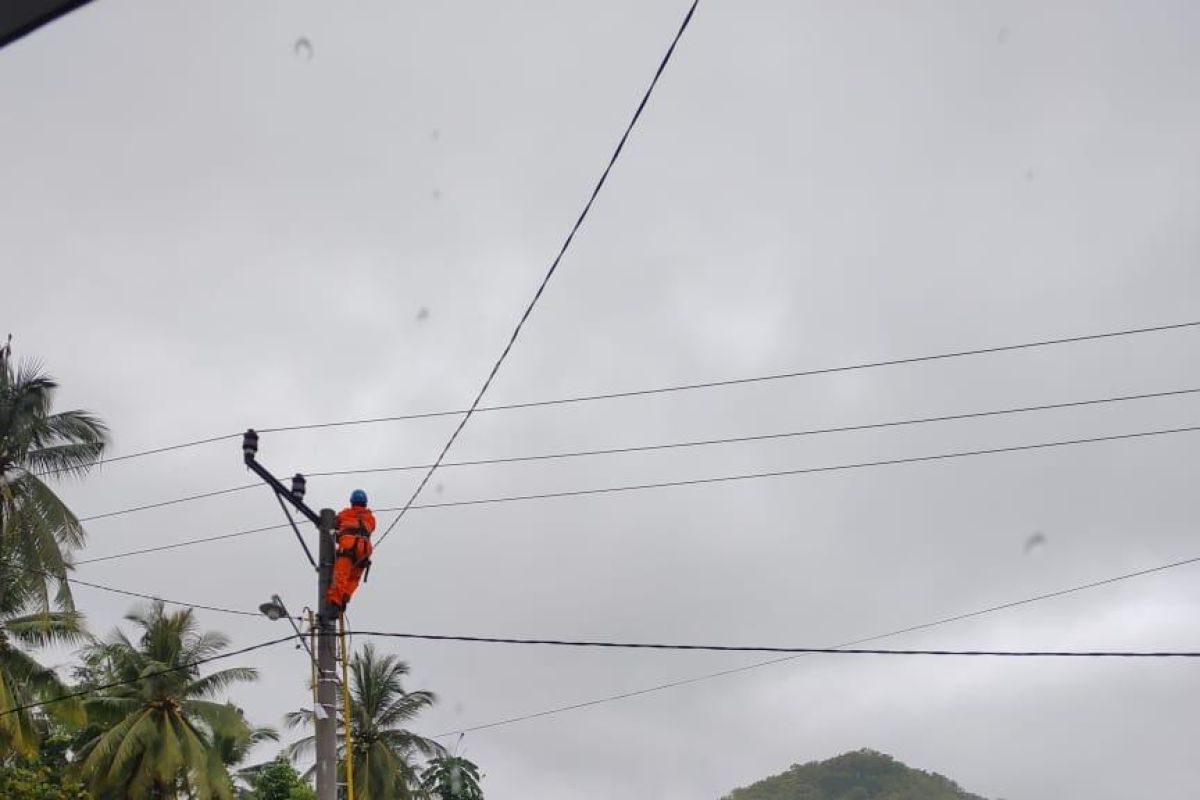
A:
[327,682]
[325,711]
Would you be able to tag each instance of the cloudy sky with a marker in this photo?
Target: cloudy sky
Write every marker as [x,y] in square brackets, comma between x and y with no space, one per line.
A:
[206,227]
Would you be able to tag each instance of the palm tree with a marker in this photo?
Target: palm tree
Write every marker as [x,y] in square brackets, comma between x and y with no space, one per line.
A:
[158,736]
[385,752]
[231,751]
[23,626]
[452,778]
[36,443]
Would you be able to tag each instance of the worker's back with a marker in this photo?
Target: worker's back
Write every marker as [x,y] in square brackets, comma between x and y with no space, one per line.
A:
[351,518]
[355,524]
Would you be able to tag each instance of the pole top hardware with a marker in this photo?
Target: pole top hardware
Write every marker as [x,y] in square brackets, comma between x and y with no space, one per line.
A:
[250,444]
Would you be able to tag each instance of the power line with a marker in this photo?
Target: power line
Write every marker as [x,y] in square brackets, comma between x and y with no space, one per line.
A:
[685,387]
[184,543]
[127,593]
[854,643]
[839,651]
[146,676]
[545,280]
[176,501]
[140,453]
[695,482]
[662,389]
[792,654]
[673,445]
[803,471]
[946,620]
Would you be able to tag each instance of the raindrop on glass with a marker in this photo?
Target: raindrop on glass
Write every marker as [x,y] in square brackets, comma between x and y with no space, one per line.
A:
[1038,539]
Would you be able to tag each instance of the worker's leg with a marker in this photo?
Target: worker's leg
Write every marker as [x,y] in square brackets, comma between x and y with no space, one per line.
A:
[362,552]
[343,565]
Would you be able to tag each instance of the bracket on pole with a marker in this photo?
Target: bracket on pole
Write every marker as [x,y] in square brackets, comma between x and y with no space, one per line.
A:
[292,496]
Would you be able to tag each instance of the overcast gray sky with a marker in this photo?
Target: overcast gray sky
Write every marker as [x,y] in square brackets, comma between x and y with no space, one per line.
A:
[202,229]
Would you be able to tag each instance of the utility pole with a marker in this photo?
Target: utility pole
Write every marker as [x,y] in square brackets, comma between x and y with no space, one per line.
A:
[327,688]
[325,711]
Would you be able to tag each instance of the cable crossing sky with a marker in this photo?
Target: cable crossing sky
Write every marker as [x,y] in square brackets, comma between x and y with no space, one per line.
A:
[664,389]
[671,445]
[688,482]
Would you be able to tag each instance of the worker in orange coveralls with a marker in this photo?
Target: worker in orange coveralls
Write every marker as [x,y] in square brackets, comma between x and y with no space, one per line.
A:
[355,524]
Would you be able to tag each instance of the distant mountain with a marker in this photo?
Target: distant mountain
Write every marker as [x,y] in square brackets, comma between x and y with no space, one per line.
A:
[862,775]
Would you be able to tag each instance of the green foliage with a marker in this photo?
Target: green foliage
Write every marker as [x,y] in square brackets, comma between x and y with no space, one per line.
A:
[37,535]
[279,780]
[36,529]
[160,735]
[385,751]
[37,783]
[23,680]
[452,778]
[861,775]
[43,778]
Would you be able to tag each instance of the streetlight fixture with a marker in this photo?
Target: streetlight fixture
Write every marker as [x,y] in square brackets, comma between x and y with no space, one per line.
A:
[273,610]
[276,610]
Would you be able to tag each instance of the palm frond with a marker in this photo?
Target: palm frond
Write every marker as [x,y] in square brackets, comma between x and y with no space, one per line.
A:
[216,682]
[40,630]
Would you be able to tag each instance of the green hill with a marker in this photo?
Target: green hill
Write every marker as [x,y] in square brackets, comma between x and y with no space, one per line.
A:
[862,775]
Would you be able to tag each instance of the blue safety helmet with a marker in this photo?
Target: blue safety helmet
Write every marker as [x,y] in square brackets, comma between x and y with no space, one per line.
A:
[358,498]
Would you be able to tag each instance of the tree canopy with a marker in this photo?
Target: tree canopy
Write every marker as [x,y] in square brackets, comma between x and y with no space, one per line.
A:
[861,775]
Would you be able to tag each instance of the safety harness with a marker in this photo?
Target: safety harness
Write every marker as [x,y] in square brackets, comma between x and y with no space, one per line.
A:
[361,563]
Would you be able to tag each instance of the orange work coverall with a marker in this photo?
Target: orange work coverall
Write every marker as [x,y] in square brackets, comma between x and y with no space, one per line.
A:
[355,526]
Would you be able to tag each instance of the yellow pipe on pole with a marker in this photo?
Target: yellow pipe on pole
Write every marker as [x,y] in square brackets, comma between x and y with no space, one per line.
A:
[346,716]
[312,640]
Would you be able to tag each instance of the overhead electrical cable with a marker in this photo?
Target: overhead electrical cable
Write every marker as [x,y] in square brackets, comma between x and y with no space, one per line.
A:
[146,676]
[694,482]
[183,543]
[657,390]
[113,590]
[176,501]
[802,471]
[853,643]
[660,687]
[838,651]
[140,453]
[719,384]
[562,251]
[671,445]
